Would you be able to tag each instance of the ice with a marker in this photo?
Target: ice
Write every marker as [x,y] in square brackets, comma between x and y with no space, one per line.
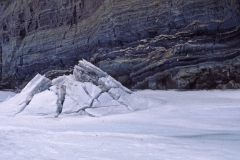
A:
[88,91]
[18,103]
[106,100]
[60,91]
[106,105]
[108,83]
[38,84]
[116,93]
[39,107]
[76,98]
[93,90]
[61,80]
[91,69]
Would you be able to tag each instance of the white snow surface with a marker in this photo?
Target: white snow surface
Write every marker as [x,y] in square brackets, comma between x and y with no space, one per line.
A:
[183,125]
[5,95]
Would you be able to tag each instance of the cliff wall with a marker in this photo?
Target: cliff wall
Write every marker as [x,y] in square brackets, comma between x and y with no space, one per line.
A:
[157,44]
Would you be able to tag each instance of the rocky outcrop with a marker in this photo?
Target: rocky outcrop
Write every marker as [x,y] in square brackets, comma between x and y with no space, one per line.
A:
[157,44]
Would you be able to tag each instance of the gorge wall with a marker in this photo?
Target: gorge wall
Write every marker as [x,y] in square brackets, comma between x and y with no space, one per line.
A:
[157,44]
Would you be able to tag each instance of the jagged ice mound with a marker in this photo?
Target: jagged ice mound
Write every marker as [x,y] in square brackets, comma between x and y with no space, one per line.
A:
[88,91]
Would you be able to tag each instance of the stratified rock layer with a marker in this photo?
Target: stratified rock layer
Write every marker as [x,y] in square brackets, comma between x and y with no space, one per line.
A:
[157,44]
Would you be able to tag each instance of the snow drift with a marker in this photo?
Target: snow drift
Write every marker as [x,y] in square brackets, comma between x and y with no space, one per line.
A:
[88,91]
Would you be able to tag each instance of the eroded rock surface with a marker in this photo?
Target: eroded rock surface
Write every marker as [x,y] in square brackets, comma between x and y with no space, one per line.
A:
[88,91]
[157,44]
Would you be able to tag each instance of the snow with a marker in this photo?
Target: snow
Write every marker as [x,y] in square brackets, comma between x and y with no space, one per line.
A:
[5,95]
[179,125]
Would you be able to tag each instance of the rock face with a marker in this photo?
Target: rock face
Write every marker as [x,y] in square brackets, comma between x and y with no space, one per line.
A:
[157,44]
[88,91]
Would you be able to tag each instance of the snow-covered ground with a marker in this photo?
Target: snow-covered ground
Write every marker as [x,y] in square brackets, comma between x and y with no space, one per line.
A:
[189,125]
[4,95]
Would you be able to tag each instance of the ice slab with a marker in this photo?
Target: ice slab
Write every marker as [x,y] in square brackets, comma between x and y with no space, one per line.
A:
[88,91]
[93,90]
[76,98]
[44,103]
[18,103]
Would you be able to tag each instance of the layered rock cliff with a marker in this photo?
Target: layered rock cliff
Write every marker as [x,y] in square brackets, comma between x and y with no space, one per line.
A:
[157,44]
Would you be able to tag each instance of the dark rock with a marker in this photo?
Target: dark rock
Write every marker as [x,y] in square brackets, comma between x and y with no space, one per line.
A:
[157,44]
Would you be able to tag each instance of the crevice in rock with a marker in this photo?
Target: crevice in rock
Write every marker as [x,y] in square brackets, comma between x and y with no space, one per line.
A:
[75,15]
[153,34]
[22,33]
[4,27]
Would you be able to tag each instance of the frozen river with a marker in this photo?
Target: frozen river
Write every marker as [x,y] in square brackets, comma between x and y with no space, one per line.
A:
[189,125]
